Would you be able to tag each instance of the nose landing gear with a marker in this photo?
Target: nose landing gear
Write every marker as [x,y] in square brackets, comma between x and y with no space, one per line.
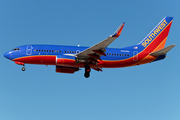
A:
[23,68]
[21,63]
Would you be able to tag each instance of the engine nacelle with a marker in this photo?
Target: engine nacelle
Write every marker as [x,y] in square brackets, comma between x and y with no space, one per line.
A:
[63,60]
[61,69]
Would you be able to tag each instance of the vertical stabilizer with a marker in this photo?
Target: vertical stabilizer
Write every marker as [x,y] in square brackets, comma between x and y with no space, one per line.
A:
[156,39]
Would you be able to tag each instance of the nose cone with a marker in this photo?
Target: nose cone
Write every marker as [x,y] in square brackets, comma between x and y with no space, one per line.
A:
[8,55]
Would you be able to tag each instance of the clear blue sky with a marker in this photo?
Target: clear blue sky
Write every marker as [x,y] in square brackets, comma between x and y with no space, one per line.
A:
[147,92]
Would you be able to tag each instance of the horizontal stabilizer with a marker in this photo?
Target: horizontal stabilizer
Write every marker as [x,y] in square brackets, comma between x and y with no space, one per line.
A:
[162,51]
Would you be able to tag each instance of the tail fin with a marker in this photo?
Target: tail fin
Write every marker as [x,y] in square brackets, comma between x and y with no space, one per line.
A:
[156,39]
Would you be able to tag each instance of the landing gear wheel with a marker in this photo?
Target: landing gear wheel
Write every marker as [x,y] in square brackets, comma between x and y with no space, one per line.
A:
[86,74]
[23,68]
[87,71]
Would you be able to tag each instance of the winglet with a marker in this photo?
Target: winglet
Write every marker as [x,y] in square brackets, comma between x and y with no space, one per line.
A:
[118,31]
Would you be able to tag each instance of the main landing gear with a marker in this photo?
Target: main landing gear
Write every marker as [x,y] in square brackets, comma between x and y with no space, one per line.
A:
[87,71]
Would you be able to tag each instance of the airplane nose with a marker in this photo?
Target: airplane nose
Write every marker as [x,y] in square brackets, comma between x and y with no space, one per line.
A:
[7,55]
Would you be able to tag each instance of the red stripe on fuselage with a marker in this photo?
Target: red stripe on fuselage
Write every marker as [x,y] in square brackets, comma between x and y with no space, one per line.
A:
[41,59]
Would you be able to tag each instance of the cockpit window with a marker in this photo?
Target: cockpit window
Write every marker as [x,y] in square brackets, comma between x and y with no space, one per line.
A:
[16,49]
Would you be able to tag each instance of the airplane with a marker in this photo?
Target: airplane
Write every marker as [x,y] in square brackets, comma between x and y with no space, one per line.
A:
[69,59]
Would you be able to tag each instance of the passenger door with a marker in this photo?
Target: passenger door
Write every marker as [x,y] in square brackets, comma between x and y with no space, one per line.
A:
[29,50]
[135,56]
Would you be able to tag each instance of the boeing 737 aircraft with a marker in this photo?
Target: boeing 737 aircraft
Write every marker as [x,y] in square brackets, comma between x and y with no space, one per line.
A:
[68,59]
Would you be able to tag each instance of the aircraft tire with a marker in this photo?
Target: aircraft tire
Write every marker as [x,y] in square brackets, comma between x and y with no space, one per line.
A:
[86,74]
[23,68]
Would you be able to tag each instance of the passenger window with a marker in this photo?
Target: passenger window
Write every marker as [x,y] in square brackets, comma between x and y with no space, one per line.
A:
[49,50]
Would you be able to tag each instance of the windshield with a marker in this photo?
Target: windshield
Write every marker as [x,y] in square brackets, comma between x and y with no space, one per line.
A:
[15,49]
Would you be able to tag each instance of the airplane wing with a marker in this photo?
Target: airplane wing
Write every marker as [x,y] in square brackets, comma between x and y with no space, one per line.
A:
[95,52]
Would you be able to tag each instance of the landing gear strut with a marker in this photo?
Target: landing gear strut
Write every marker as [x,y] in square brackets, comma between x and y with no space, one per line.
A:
[87,71]
[21,63]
